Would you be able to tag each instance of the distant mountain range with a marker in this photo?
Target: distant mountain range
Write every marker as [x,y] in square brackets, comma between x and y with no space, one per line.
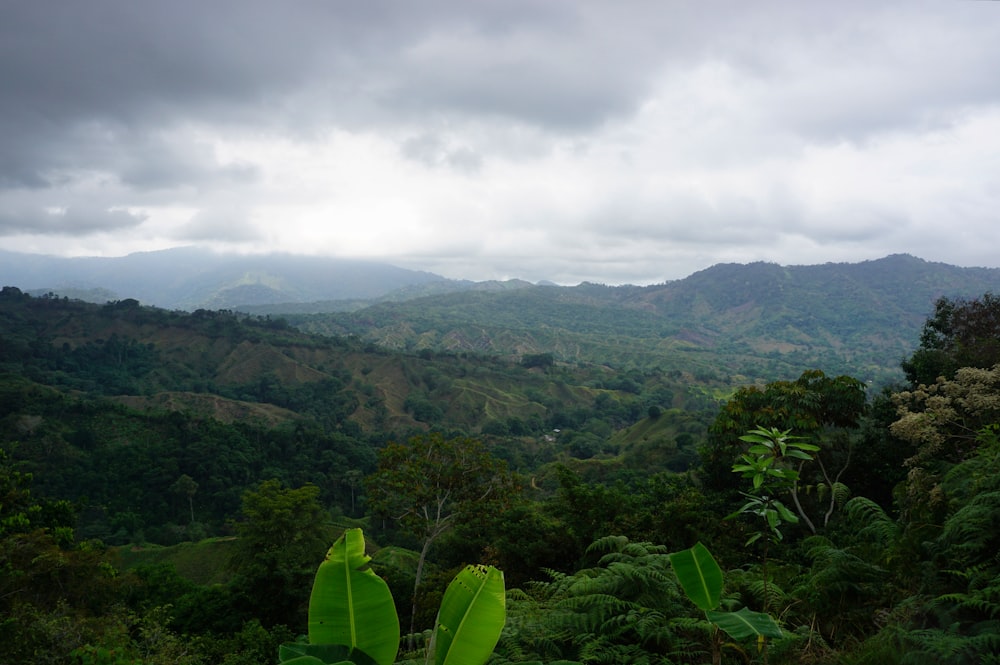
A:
[190,278]
[730,322]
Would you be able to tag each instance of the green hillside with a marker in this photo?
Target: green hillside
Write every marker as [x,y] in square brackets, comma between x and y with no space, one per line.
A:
[732,324]
[169,482]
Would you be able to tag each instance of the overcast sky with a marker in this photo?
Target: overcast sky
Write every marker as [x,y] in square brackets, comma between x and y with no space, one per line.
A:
[615,142]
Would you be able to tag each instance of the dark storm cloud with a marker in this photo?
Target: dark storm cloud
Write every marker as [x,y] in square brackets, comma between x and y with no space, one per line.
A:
[76,220]
[83,80]
[67,68]
[590,131]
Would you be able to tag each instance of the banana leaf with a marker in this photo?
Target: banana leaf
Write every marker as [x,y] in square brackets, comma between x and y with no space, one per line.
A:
[326,654]
[352,606]
[745,623]
[472,614]
[699,575]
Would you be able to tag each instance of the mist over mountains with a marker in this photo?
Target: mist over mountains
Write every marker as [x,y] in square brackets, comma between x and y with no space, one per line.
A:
[190,278]
[730,322]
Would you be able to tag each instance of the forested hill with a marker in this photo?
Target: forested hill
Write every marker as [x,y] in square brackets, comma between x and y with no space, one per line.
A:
[158,471]
[235,368]
[110,404]
[731,323]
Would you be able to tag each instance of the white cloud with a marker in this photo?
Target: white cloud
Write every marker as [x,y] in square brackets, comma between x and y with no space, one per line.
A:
[546,140]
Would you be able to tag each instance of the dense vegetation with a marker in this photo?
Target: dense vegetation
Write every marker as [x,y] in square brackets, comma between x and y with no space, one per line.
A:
[735,324]
[169,483]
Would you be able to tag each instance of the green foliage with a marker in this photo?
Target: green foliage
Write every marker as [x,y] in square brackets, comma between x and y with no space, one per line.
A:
[911,581]
[620,611]
[761,320]
[350,605]
[841,589]
[766,465]
[431,483]
[808,405]
[471,617]
[701,578]
[282,533]
[963,332]
[352,618]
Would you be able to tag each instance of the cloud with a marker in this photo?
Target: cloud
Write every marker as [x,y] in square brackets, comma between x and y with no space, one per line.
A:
[595,140]
[73,221]
[434,151]
[233,225]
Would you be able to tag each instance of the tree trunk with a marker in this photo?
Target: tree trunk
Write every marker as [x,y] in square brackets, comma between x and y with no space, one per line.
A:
[416,585]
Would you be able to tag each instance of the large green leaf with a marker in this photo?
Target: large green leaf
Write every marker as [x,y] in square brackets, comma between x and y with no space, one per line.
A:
[472,614]
[745,623]
[352,606]
[699,575]
[296,653]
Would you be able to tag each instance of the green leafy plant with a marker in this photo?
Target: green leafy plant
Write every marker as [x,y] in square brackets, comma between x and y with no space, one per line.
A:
[765,465]
[352,617]
[701,578]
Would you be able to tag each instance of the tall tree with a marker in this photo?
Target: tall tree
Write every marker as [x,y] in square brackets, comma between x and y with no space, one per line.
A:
[431,483]
[807,406]
[283,534]
[186,487]
[961,333]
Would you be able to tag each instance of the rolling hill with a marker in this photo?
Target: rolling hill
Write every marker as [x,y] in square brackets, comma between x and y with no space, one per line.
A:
[730,323]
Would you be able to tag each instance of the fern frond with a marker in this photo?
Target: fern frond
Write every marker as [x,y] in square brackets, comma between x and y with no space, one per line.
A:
[608,544]
[768,594]
[841,493]
[878,526]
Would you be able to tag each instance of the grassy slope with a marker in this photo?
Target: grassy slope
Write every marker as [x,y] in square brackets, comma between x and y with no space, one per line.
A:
[204,562]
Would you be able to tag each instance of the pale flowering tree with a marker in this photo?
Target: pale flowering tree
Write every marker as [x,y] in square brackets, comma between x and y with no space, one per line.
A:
[946,421]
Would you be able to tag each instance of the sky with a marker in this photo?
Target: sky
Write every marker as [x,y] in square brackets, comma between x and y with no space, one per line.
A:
[562,140]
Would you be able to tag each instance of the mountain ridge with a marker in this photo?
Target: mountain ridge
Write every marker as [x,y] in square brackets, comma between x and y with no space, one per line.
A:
[190,278]
[730,322]
[755,321]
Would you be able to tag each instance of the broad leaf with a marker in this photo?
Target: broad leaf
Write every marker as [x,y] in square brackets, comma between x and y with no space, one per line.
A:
[744,624]
[296,653]
[699,575]
[798,454]
[352,606]
[785,513]
[472,614]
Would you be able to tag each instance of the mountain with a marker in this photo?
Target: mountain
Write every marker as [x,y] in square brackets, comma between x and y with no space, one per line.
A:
[190,278]
[235,367]
[731,323]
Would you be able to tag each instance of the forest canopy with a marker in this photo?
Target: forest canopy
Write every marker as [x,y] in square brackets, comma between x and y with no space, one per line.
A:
[169,484]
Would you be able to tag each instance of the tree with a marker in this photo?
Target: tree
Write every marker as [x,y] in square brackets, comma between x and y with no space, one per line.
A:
[281,536]
[810,406]
[185,486]
[945,422]
[431,483]
[961,333]
[944,418]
